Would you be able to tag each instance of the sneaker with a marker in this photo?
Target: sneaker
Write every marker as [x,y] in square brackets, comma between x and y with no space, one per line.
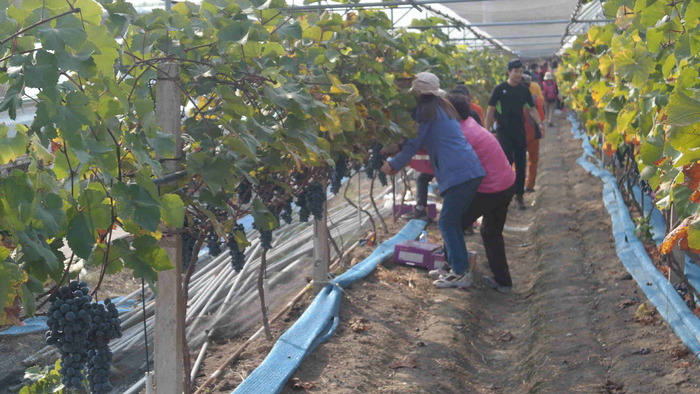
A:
[418,214]
[551,124]
[438,273]
[491,283]
[520,202]
[454,280]
[529,190]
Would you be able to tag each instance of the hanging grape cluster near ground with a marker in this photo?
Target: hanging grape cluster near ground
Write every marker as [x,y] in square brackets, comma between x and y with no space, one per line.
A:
[81,330]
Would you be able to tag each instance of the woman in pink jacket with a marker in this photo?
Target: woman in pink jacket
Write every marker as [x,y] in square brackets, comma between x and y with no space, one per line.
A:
[493,195]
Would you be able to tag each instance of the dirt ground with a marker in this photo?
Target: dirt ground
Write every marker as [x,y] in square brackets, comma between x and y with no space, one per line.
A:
[569,325]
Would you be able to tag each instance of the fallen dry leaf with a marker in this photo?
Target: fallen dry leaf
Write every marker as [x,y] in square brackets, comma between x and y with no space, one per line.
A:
[612,387]
[297,384]
[507,336]
[624,304]
[405,362]
[641,311]
[359,325]
[680,352]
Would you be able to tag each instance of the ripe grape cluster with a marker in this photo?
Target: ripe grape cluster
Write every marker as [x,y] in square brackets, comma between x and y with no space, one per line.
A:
[81,331]
[105,327]
[69,321]
[189,239]
[340,172]
[374,164]
[304,211]
[237,252]
[266,239]
[213,243]
[286,211]
[245,192]
[310,201]
[682,291]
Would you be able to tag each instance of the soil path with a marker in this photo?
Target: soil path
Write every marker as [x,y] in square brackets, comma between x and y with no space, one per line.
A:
[569,325]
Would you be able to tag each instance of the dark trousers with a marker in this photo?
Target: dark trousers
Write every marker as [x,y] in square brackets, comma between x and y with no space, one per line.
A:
[422,189]
[455,203]
[494,209]
[516,152]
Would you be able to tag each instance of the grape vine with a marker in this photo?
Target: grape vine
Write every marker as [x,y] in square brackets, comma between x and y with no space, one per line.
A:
[634,84]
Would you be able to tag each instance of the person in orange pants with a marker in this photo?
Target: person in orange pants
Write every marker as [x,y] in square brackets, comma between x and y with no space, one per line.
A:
[533,134]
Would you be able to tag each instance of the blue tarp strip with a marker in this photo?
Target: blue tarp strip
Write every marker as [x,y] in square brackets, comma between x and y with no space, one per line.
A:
[32,324]
[38,323]
[633,255]
[657,222]
[318,322]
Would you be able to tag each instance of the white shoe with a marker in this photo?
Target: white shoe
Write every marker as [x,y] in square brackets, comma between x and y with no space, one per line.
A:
[454,280]
[438,273]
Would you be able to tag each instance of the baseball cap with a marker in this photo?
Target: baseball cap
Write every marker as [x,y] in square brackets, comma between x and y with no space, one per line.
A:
[515,63]
[426,83]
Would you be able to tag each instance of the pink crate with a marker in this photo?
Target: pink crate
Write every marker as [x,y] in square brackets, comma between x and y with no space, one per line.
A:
[415,253]
[405,208]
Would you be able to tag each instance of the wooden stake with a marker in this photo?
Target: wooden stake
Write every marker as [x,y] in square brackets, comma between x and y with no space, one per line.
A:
[322,252]
[170,306]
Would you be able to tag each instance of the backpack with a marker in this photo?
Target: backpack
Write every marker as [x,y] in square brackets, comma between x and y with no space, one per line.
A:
[549,90]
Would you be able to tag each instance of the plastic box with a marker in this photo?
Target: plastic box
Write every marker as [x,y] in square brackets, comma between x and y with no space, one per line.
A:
[405,208]
[440,261]
[418,254]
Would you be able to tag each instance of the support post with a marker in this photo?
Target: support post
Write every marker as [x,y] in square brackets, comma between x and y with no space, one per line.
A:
[322,252]
[170,306]
[359,203]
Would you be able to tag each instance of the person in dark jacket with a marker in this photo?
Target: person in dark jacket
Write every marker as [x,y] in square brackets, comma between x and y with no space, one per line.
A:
[506,108]
[457,170]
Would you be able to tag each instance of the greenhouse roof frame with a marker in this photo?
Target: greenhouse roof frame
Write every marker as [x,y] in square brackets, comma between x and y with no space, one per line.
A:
[487,20]
[500,24]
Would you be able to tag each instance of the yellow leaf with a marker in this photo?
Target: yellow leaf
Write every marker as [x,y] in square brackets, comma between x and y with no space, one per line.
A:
[641,311]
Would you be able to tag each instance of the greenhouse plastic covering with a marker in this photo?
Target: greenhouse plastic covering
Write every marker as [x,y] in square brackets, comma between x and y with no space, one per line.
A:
[532,18]
[318,322]
[536,17]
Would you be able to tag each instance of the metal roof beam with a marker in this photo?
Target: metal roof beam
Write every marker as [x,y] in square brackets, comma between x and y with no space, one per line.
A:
[507,37]
[540,22]
[522,44]
[384,4]
[514,23]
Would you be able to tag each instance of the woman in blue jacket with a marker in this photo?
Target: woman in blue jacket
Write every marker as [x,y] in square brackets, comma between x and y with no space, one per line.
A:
[457,170]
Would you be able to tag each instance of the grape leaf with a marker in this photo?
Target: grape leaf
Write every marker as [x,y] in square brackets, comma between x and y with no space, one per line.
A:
[80,238]
[12,148]
[683,110]
[634,65]
[264,220]
[11,280]
[172,210]
[135,203]
[43,72]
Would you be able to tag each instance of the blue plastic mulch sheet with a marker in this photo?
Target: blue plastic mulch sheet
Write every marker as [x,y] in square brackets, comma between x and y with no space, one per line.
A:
[318,322]
[634,257]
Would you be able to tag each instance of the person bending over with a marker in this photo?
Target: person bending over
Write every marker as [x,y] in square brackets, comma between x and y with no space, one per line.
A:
[457,170]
